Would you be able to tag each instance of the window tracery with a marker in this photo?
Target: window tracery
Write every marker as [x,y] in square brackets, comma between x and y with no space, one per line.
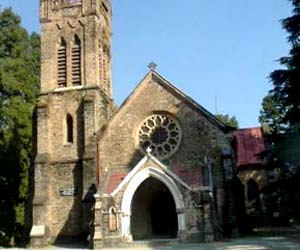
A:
[161,133]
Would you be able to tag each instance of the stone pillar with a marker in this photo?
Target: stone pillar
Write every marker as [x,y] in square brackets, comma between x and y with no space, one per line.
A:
[181,216]
[97,239]
[89,114]
[39,234]
[208,227]
[221,202]
[89,178]
[195,224]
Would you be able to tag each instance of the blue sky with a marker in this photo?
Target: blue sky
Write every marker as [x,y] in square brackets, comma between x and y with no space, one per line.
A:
[219,52]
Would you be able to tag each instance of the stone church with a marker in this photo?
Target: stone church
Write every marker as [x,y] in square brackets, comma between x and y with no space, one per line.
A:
[159,166]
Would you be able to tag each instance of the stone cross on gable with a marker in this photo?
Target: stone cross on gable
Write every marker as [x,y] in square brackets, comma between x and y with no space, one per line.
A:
[152,66]
[148,150]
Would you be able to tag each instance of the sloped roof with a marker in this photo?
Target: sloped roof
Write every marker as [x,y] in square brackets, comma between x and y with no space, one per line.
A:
[191,176]
[156,77]
[117,181]
[188,100]
[113,181]
[250,144]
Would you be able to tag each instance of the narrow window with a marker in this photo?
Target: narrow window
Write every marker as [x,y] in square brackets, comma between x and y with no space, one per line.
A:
[113,219]
[253,195]
[100,63]
[105,69]
[62,63]
[76,61]
[69,131]
[104,62]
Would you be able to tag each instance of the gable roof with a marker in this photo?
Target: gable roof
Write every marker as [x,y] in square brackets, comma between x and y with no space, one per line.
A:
[189,101]
[250,144]
[157,78]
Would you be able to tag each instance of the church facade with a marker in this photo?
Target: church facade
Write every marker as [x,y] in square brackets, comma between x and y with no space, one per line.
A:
[159,166]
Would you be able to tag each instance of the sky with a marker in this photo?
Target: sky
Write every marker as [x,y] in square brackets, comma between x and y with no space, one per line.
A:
[219,52]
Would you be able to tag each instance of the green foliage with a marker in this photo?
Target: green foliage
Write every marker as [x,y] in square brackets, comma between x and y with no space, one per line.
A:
[272,115]
[227,120]
[280,114]
[19,78]
[281,108]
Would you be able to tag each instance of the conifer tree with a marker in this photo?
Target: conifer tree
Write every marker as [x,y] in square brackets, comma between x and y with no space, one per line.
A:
[281,108]
[281,115]
[19,78]
[228,120]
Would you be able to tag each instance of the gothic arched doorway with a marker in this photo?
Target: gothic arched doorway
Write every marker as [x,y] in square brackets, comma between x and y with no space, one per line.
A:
[153,211]
[135,182]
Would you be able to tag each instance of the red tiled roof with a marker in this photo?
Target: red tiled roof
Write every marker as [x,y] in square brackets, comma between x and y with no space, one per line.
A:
[250,143]
[191,176]
[113,181]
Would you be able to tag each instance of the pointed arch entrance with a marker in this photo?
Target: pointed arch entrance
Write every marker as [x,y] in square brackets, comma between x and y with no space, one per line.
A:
[153,211]
[150,176]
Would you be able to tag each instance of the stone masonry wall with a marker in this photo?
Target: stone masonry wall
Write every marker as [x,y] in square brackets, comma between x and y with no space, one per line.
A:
[200,139]
[72,35]
[68,215]
[65,214]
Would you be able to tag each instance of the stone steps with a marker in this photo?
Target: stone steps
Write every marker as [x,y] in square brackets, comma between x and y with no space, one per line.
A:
[153,243]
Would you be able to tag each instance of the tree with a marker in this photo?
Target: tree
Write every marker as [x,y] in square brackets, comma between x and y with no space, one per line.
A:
[19,78]
[281,107]
[281,114]
[227,120]
[286,81]
[272,115]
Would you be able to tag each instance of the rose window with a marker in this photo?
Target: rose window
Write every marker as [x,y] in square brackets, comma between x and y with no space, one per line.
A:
[160,133]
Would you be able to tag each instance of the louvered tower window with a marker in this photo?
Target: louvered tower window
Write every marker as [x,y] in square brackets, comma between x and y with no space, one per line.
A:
[104,65]
[103,68]
[62,63]
[76,62]
[100,64]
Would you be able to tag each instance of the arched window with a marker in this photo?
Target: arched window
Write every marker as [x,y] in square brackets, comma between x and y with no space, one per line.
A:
[62,63]
[253,195]
[104,67]
[69,132]
[100,63]
[113,219]
[76,61]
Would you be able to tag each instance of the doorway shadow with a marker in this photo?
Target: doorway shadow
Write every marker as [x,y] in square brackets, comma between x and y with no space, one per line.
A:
[153,212]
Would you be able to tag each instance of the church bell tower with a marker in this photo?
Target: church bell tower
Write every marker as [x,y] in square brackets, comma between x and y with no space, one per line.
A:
[76,38]
[75,102]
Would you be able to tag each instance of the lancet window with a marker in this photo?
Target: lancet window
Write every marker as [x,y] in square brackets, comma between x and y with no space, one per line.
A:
[62,63]
[69,128]
[76,61]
